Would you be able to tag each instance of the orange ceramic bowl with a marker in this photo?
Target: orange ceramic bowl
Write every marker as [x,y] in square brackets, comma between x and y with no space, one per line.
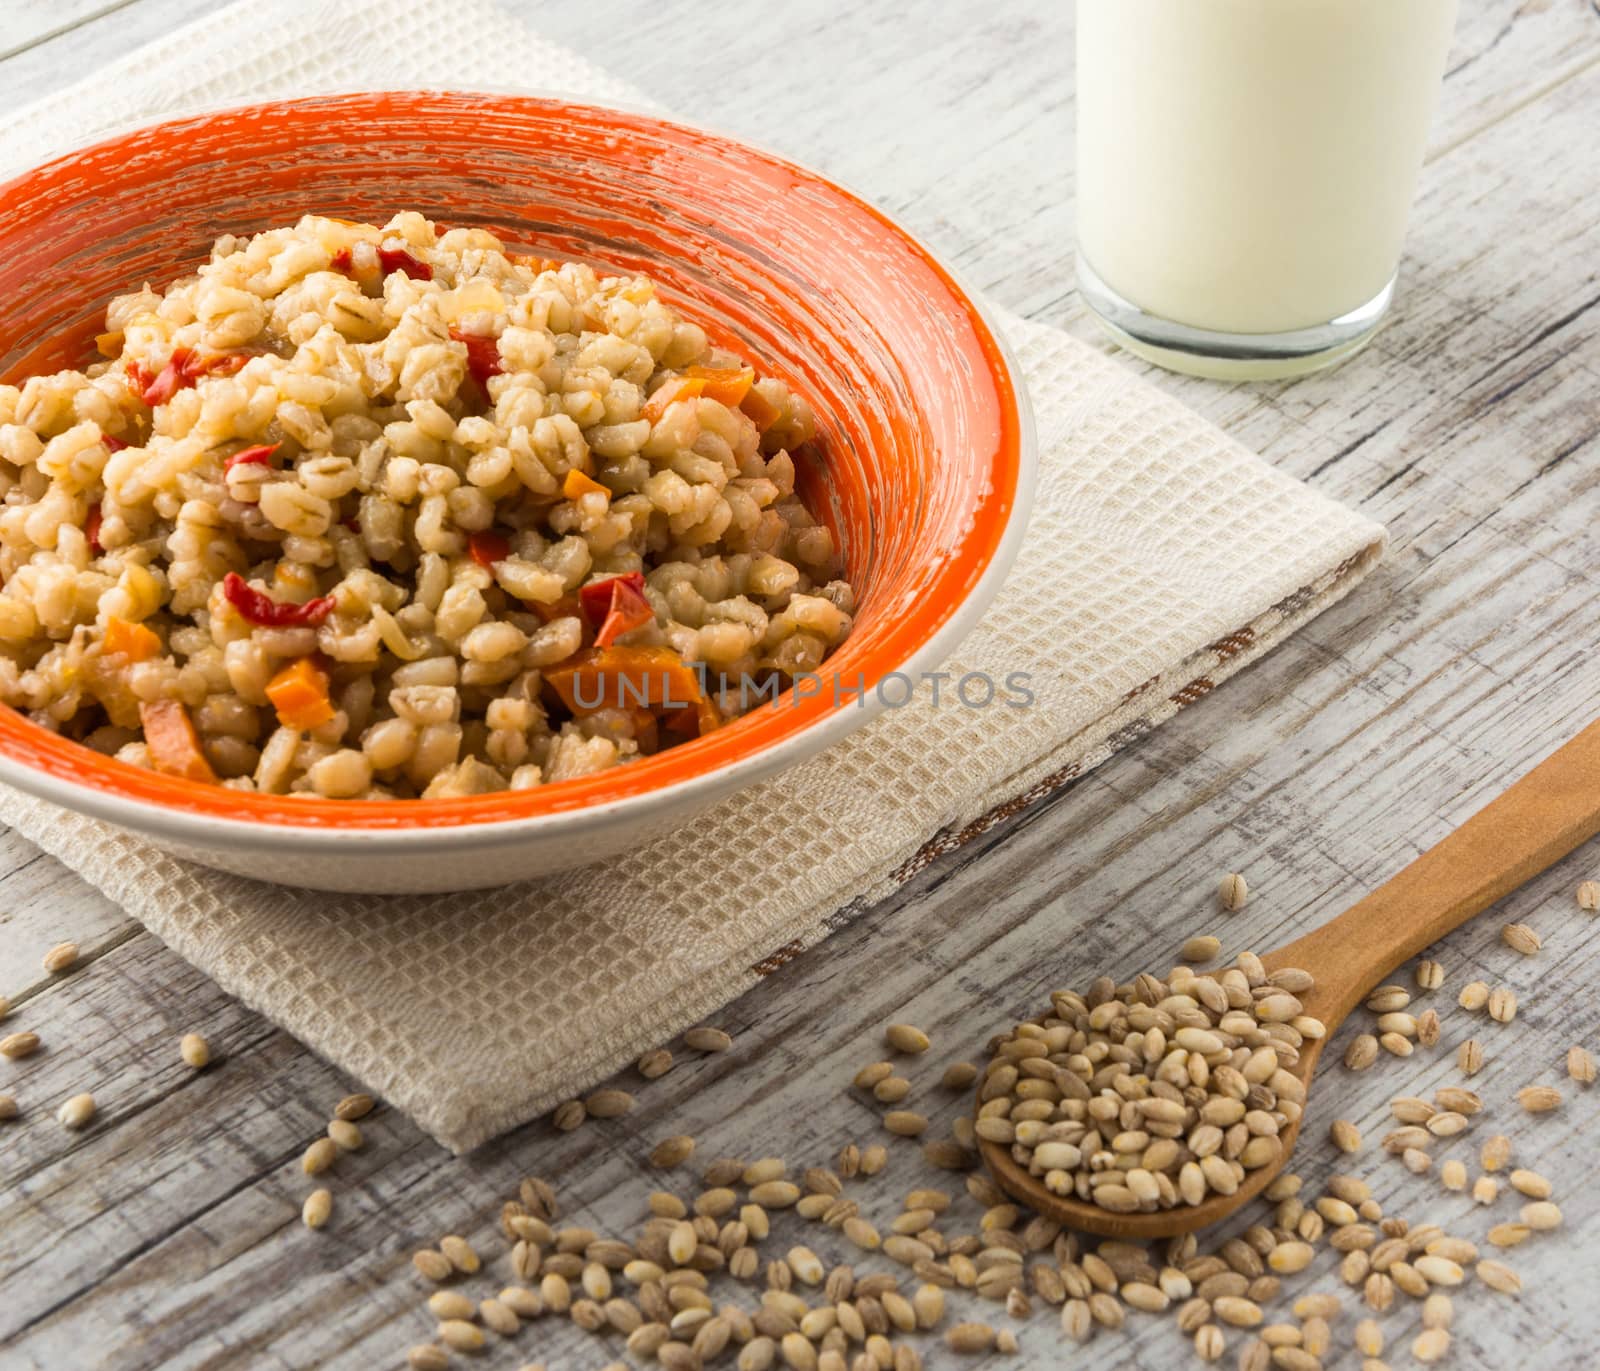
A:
[925,428]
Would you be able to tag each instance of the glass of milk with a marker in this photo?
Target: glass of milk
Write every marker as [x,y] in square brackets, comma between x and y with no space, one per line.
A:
[1245,169]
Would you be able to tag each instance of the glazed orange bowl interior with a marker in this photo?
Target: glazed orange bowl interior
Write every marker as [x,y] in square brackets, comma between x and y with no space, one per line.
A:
[918,413]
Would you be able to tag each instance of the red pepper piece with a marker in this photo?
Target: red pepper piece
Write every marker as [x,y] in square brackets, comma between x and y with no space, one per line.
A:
[260,608]
[398,259]
[340,260]
[615,606]
[260,454]
[91,529]
[229,364]
[182,370]
[112,444]
[483,355]
[488,547]
[171,380]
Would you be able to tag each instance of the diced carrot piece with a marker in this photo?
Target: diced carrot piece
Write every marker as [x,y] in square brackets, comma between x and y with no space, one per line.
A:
[577,483]
[133,641]
[654,678]
[668,394]
[109,344]
[760,410]
[300,695]
[726,385]
[173,744]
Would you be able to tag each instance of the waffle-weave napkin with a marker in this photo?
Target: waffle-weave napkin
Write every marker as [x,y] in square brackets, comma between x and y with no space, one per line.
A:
[1160,559]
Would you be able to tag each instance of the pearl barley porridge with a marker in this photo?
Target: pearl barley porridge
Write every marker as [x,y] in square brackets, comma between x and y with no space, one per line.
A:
[385,513]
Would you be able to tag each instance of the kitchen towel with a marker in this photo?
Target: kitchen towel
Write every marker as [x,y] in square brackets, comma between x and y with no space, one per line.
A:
[1160,559]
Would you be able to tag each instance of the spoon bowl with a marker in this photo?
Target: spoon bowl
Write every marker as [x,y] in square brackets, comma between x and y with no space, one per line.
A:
[1536,822]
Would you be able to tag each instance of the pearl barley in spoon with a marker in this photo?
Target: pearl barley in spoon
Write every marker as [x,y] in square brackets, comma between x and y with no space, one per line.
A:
[1539,820]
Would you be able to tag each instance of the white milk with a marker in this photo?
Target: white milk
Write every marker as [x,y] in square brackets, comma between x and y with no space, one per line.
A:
[1246,166]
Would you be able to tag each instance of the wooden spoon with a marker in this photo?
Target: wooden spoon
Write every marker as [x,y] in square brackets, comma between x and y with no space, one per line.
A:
[1538,821]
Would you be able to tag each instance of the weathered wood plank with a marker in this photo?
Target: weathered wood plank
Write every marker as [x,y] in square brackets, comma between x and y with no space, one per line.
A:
[26,24]
[91,33]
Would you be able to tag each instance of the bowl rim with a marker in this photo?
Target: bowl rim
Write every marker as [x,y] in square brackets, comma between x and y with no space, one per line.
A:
[153,814]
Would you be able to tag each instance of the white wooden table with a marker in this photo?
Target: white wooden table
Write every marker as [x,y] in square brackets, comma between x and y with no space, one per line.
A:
[168,1235]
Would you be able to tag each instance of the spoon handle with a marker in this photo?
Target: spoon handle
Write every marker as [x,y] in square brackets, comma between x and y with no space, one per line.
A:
[1538,821]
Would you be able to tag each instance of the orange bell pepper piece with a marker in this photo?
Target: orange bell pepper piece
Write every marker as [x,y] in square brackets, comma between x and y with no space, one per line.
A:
[300,695]
[653,678]
[567,607]
[133,641]
[669,393]
[726,385]
[577,483]
[173,744]
[109,344]
[760,410]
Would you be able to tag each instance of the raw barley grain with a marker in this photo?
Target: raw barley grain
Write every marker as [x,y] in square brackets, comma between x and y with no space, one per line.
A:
[654,1064]
[1499,1276]
[77,1111]
[1202,947]
[705,1039]
[1233,891]
[1580,1065]
[1589,895]
[461,1335]
[1388,999]
[569,1116]
[959,1076]
[346,1135]
[908,1038]
[62,957]
[1509,1234]
[433,1266]
[1429,975]
[1396,1043]
[891,1090]
[1539,1099]
[1521,938]
[428,1357]
[315,1211]
[353,1107]
[1541,1216]
[673,1151]
[1469,1057]
[608,1104]
[1429,1027]
[318,1157]
[1474,996]
[1502,1004]
[460,1254]
[1431,1345]
[19,1045]
[1362,1052]
[450,1304]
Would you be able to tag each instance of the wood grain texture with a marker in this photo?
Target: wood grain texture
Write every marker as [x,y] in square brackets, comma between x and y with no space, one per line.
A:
[167,1235]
